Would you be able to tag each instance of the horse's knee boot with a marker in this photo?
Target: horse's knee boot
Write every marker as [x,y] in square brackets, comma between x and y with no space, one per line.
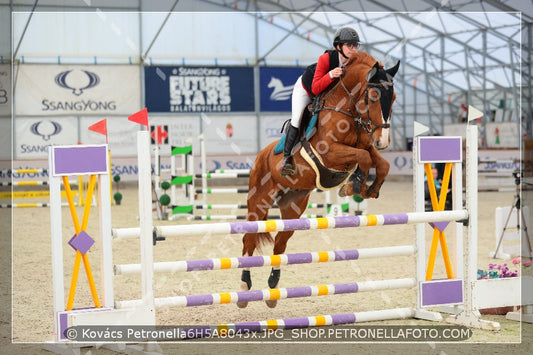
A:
[273,279]
[246,278]
[358,178]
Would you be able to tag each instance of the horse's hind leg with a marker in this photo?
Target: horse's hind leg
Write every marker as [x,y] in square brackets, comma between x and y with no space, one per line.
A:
[292,204]
[259,201]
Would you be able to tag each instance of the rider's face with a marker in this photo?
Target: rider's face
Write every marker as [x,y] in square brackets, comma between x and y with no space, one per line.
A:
[349,48]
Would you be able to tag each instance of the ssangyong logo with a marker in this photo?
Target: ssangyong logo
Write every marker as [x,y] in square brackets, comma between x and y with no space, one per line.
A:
[75,84]
[78,82]
[45,129]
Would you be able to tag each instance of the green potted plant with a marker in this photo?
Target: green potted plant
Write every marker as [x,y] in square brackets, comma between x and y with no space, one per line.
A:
[164,199]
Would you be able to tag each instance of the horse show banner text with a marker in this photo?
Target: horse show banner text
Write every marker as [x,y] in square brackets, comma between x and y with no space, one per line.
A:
[199,89]
[44,89]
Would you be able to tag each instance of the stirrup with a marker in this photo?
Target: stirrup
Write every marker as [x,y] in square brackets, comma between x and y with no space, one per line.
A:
[288,167]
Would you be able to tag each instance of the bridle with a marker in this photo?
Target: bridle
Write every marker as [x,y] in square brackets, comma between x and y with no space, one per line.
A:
[368,125]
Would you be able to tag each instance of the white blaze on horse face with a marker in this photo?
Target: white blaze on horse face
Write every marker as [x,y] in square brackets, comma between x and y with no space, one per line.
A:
[384,138]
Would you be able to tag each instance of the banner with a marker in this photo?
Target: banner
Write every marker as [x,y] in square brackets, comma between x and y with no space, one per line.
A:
[5,90]
[77,89]
[199,89]
[276,84]
[34,135]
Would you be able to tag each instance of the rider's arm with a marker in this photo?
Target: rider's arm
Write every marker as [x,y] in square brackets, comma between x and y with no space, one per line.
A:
[322,79]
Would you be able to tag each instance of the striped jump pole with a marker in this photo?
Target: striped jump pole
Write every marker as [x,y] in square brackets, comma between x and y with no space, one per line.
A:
[269,260]
[296,323]
[298,224]
[273,294]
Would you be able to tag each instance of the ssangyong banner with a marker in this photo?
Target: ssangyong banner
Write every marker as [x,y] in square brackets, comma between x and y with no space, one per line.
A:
[199,89]
[77,89]
[5,90]
[276,85]
[34,135]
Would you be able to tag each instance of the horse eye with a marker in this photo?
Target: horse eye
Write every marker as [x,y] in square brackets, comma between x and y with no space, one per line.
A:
[374,95]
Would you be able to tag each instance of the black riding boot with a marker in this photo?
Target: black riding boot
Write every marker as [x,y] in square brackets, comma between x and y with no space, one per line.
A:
[289,167]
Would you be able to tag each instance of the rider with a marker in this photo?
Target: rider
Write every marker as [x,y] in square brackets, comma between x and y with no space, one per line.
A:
[312,82]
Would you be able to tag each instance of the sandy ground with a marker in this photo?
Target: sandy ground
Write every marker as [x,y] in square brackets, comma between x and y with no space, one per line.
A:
[32,276]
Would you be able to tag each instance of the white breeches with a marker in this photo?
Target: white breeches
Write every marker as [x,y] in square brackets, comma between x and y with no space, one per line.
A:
[300,100]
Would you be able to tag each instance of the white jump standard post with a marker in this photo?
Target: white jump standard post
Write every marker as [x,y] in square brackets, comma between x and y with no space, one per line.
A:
[92,160]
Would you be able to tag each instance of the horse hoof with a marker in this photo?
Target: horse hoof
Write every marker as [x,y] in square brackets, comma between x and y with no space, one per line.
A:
[272,303]
[342,191]
[242,304]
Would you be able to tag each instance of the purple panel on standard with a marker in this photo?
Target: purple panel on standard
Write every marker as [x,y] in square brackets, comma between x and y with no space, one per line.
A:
[243,227]
[63,325]
[206,264]
[439,149]
[74,160]
[296,224]
[345,318]
[399,218]
[441,292]
[81,242]
[441,226]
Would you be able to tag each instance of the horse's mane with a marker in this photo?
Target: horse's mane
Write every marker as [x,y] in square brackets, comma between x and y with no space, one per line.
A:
[363,58]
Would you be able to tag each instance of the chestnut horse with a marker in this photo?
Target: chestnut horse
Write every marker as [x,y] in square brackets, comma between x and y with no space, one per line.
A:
[352,126]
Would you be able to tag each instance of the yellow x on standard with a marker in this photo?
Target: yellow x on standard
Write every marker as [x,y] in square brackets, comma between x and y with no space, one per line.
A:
[78,228]
[438,235]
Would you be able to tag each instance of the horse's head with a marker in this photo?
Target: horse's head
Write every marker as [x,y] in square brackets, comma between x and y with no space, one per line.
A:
[373,95]
[379,99]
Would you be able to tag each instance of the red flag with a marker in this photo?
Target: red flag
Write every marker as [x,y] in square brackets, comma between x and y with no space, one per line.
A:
[140,117]
[100,127]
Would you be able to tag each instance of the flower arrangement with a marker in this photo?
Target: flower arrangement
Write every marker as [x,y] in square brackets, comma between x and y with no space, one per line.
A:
[501,271]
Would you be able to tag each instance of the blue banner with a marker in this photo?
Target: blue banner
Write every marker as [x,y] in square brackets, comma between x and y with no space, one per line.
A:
[276,85]
[199,89]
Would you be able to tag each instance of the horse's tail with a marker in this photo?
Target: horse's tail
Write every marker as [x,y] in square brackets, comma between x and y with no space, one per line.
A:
[259,199]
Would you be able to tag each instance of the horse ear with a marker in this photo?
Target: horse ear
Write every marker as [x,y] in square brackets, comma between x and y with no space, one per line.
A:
[372,72]
[392,71]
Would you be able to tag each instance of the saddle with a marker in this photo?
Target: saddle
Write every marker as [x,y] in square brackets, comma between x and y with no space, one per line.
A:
[326,179]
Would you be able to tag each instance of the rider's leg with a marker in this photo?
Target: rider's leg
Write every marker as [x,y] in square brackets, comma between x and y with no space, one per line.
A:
[300,100]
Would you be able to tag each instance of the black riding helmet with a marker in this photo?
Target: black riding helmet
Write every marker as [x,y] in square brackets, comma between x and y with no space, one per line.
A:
[345,35]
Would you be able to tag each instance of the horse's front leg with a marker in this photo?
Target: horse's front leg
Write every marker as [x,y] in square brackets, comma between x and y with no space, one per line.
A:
[382,170]
[342,157]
